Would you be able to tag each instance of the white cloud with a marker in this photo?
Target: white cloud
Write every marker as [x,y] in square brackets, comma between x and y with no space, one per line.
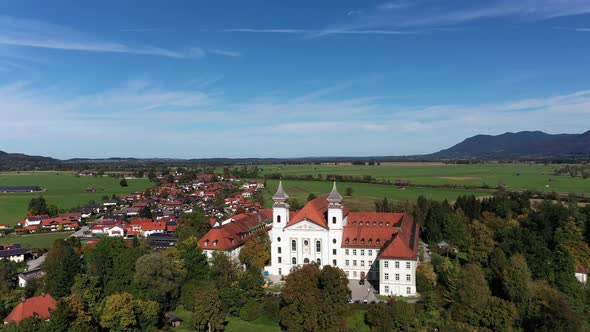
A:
[32,33]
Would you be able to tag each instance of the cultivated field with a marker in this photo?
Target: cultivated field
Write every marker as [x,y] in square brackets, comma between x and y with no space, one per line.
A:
[515,176]
[63,189]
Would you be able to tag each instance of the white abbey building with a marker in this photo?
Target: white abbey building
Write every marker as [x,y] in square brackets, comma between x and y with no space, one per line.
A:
[379,247]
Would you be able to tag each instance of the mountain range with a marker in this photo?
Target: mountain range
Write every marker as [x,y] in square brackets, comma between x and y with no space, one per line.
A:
[507,146]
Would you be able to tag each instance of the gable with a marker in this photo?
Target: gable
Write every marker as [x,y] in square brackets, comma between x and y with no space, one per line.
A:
[305,224]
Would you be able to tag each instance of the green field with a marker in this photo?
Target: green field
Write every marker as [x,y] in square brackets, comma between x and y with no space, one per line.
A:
[515,176]
[259,325]
[364,194]
[63,189]
[41,241]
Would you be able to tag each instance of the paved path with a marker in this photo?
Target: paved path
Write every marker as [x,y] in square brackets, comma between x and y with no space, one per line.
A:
[362,292]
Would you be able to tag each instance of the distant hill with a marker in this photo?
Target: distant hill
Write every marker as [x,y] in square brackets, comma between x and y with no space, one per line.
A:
[524,144]
[23,161]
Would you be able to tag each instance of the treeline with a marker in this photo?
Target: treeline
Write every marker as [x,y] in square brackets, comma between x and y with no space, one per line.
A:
[580,170]
[508,266]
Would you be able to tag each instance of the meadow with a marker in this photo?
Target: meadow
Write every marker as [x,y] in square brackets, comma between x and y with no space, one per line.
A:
[41,241]
[63,189]
[515,176]
[363,194]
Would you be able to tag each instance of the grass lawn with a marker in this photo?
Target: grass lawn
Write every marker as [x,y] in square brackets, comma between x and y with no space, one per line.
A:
[43,240]
[356,322]
[186,318]
[259,325]
[515,176]
[63,189]
[364,194]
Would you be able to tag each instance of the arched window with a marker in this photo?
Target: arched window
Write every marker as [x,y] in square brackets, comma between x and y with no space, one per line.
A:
[293,245]
[294,260]
[279,239]
[306,243]
[278,219]
[319,261]
[333,220]
[334,241]
[318,246]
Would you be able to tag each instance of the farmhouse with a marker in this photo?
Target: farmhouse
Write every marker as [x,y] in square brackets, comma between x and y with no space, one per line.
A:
[13,252]
[379,247]
[38,306]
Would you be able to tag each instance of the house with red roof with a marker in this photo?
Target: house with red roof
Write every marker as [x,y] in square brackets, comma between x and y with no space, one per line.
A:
[381,248]
[38,306]
[581,274]
[229,235]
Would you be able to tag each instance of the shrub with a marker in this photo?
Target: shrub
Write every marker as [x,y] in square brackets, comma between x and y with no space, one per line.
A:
[250,311]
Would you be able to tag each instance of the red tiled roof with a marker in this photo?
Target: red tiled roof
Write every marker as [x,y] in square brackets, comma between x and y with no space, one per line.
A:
[404,244]
[38,306]
[314,211]
[580,268]
[232,234]
[369,229]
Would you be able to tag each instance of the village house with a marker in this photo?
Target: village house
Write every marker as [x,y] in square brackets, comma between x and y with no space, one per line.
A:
[27,276]
[38,306]
[13,252]
[581,274]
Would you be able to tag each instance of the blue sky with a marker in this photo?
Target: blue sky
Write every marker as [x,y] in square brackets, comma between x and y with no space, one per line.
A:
[194,79]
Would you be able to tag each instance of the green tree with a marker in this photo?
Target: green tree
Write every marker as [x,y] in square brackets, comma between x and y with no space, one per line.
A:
[481,242]
[311,197]
[120,312]
[37,206]
[256,250]
[61,265]
[473,295]
[348,191]
[195,261]
[123,182]
[517,282]
[208,311]
[157,278]
[195,224]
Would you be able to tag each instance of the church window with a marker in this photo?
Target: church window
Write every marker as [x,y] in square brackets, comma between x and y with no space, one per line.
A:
[280,260]
[293,245]
[279,249]
[333,220]
[279,239]
[319,261]
[333,251]
[294,260]
[306,243]
[334,262]
[280,271]
[334,241]
[278,219]
[318,246]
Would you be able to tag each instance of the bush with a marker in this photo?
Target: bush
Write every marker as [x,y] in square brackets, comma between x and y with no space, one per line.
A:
[250,311]
[271,308]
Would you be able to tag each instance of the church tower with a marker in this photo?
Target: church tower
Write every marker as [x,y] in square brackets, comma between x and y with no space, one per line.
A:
[335,213]
[280,208]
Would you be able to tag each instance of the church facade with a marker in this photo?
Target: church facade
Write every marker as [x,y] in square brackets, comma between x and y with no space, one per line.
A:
[379,247]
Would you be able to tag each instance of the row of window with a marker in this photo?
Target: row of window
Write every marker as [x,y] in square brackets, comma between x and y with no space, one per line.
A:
[408,290]
[408,277]
[318,245]
[354,251]
[347,263]
[386,265]
[356,274]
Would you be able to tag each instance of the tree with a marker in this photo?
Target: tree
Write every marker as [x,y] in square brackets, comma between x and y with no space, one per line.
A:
[61,266]
[550,311]
[256,250]
[195,224]
[208,311]
[348,191]
[311,197]
[473,295]
[37,206]
[120,312]
[195,261]
[481,243]
[224,270]
[517,282]
[294,203]
[314,299]
[123,182]
[157,278]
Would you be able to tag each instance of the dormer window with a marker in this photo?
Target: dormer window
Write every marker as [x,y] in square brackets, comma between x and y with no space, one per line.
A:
[347,241]
[378,241]
[360,223]
[387,225]
[206,242]
[370,241]
[374,223]
[215,243]
[362,241]
[354,223]
[354,241]
[381,224]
